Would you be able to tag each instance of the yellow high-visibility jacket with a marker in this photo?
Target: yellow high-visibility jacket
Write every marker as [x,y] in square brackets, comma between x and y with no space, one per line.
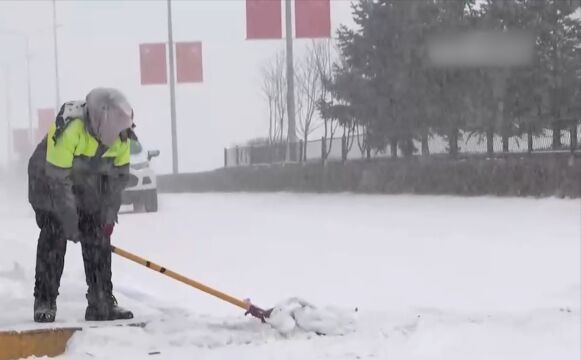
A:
[72,172]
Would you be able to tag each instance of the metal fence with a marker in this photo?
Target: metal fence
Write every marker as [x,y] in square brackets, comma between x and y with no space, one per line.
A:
[339,149]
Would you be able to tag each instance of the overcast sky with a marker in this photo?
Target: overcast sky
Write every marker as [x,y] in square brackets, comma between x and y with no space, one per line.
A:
[98,46]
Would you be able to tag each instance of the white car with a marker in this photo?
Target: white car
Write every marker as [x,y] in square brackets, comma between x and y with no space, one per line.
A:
[141,191]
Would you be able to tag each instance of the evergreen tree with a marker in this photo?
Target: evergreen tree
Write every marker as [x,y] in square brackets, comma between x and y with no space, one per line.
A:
[385,83]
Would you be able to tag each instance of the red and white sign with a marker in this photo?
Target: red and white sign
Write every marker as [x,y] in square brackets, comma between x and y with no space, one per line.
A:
[313,18]
[263,19]
[189,65]
[153,64]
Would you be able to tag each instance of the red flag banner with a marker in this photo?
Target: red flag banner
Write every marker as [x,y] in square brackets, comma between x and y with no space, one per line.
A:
[153,64]
[189,62]
[313,18]
[263,19]
[45,118]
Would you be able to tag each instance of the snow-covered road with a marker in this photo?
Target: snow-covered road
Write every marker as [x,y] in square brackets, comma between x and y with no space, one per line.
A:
[432,277]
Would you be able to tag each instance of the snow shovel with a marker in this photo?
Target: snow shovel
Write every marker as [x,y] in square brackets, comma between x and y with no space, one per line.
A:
[244,304]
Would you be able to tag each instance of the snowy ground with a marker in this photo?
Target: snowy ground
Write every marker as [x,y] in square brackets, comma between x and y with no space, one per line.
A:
[432,277]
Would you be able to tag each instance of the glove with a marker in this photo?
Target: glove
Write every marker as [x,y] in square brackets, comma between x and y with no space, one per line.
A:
[108,229]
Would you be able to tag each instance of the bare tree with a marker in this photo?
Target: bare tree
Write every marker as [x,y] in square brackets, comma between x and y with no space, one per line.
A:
[362,135]
[310,89]
[350,132]
[322,53]
[313,73]
[274,89]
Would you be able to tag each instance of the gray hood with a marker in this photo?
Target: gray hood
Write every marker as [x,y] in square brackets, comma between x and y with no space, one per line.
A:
[109,114]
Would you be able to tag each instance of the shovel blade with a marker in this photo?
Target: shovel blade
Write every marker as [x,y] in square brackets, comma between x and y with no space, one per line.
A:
[258,312]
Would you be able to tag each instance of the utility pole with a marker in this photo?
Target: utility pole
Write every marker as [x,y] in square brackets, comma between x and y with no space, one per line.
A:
[172,91]
[27,56]
[56,57]
[290,80]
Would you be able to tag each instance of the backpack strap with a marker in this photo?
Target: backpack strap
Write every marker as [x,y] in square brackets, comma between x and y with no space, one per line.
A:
[69,111]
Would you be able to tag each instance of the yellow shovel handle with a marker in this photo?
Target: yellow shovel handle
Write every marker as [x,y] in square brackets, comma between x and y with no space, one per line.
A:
[155,267]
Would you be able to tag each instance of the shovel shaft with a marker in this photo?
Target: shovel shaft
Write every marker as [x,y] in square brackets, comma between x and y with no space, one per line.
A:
[155,267]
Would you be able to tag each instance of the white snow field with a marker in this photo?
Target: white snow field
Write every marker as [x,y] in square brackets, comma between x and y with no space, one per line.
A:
[432,277]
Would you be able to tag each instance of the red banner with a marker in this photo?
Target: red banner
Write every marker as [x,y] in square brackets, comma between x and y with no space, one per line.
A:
[45,118]
[313,18]
[189,62]
[263,19]
[153,64]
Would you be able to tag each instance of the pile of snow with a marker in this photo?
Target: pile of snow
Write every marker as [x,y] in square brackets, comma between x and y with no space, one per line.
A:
[295,314]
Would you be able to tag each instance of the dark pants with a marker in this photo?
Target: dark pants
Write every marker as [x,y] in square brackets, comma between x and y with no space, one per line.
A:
[50,257]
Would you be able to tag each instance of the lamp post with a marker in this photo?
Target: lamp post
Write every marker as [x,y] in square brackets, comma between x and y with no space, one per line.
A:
[27,57]
[290,76]
[172,92]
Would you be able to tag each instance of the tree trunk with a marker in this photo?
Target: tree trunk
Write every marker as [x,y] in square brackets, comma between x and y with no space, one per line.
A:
[270,120]
[324,148]
[505,138]
[453,141]
[490,140]
[556,136]
[343,148]
[304,146]
[425,145]
[282,130]
[393,147]
[530,139]
[573,133]
[301,150]
[408,146]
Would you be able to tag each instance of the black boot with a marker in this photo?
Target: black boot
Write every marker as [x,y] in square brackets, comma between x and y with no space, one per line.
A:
[44,310]
[96,247]
[107,310]
[50,256]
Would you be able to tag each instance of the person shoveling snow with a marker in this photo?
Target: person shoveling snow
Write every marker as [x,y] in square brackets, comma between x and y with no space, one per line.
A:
[75,179]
